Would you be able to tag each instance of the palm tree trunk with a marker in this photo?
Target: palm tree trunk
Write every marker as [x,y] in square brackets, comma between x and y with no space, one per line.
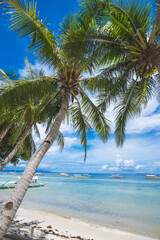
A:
[10,208]
[158,68]
[156,63]
[16,148]
[5,130]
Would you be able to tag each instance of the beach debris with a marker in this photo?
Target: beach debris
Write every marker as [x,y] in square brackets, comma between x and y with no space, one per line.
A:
[30,230]
[49,226]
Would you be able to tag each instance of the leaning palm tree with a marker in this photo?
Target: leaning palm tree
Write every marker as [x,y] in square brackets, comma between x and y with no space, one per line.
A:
[25,152]
[25,132]
[126,36]
[27,118]
[4,131]
[70,98]
[7,118]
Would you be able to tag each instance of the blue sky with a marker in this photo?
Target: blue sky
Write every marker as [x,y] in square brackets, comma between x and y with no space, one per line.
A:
[141,151]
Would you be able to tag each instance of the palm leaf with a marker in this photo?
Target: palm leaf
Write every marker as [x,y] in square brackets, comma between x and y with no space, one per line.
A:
[60,140]
[96,118]
[24,20]
[81,125]
[130,104]
[25,92]
[155,33]
[4,77]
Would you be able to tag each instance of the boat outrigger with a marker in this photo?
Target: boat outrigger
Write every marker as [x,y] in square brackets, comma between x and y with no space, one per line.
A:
[79,176]
[152,177]
[64,175]
[10,184]
[117,176]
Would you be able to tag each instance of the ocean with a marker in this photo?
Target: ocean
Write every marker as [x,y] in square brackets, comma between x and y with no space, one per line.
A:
[131,204]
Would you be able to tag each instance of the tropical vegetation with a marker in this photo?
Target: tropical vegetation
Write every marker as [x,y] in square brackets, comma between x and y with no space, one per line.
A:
[25,151]
[126,38]
[121,37]
[25,119]
[65,96]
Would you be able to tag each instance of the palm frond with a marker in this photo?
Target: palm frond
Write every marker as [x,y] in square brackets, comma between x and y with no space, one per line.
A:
[96,118]
[81,124]
[37,131]
[131,103]
[60,140]
[31,74]
[4,77]
[25,92]
[24,20]
[155,33]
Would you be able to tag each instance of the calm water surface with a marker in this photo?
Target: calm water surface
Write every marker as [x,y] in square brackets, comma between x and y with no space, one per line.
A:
[131,204]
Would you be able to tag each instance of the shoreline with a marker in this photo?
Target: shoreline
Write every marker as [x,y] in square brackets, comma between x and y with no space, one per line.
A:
[70,228]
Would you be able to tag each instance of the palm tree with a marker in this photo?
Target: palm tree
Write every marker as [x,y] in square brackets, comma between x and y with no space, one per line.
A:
[126,36]
[5,130]
[70,98]
[8,117]
[25,152]
[27,117]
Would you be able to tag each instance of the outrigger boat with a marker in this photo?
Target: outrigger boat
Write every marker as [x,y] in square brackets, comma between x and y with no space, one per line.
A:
[79,176]
[39,174]
[10,184]
[152,177]
[87,175]
[63,175]
[116,176]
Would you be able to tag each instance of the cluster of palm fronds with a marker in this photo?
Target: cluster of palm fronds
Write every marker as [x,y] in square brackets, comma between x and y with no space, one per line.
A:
[117,42]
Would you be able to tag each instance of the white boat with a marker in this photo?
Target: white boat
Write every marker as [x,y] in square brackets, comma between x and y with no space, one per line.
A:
[116,176]
[39,174]
[10,184]
[10,173]
[64,175]
[79,176]
[87,175]
[152,177]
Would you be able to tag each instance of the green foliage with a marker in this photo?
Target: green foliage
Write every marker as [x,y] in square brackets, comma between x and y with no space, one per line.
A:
[38,99]
[25,21]
[25,152]
[130,103]
[60,141]
[125,37]
[96,118]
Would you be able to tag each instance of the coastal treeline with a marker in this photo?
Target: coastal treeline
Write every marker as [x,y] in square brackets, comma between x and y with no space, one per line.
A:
[108,48]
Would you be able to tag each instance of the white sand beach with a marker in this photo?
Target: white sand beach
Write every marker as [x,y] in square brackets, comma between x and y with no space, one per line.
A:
[45,225]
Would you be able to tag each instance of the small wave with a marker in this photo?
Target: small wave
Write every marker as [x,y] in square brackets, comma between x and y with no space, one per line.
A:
[114,230]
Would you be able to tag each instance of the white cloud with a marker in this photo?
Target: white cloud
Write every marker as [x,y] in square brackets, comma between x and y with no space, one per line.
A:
[118,160]
[127,164]
[144,124]
[147,121]
[139,167]
[65,128]
[44,166]
[69,141]
[36,68]
[41,129]
[114,169]
[104,167]
[150,108]
[120,164]
[53,151]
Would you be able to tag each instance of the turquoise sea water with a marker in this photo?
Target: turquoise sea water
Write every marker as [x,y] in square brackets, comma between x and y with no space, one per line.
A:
[131,204]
